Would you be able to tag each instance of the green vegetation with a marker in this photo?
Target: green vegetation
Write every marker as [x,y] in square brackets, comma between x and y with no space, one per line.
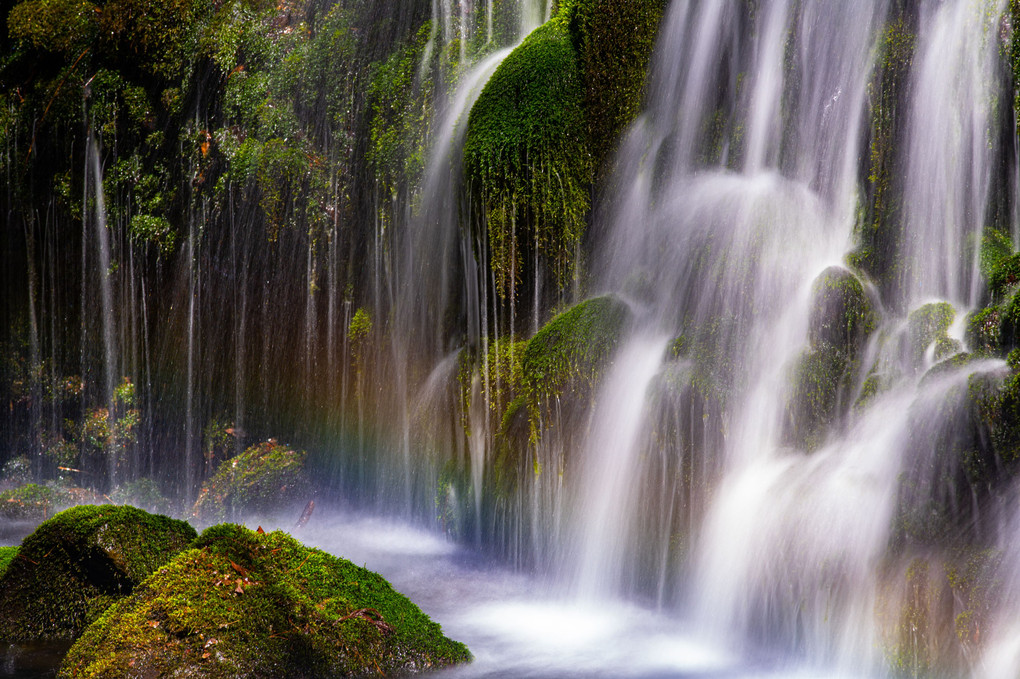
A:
[241,603]
[7,555]
[568,356]
[614,41]
[265,478]
[527,157]
[933,613]
[143,493]
[33,501]
[880,223]
[78,563]
[928,325]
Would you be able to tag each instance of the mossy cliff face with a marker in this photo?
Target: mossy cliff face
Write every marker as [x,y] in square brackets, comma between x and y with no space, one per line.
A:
[78,563]
[240,603]
[527,157]
[545,123]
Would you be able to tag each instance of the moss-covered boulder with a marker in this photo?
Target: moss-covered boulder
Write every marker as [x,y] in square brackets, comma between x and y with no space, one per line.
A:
[527,157]
[842,315]
[79,562]
[246,604]
[35,502]
[614,40]
[264,479]
[7,555]
[842,318]
[566,359]
[928,325]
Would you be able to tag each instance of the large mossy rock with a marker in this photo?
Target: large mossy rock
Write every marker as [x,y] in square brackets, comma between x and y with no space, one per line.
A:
[527,156]
[78,563]
[842,318]
[929,325]
[247,604]
[566,359]
[262,480]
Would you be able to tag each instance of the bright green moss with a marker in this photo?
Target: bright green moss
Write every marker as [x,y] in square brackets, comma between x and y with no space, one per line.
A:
[241,603]
[263,479]
[79,562]
[32,501]
[527,157]
[569,354]
[7,555]
[62,26]
[401,104]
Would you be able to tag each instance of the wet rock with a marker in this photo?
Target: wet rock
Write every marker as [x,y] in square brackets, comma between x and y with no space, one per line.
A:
[78,563]
[248,604]
[842,318]
[264,479]
[929,325]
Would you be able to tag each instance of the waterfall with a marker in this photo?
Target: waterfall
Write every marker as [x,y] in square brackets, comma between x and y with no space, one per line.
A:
[949,156]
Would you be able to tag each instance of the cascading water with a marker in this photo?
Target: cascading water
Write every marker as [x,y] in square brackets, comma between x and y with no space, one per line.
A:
[744,189]
[786,427]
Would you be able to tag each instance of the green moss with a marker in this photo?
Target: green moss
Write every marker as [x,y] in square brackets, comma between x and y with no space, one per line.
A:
[7,555]
[260,605]
[527,157]
[842,316]
[938,612]
[77,563]
[63,26]
[17,471]
[983,334]
[926,325]
[614,39]
[400,105]
[880,226]
[819,379]
[569,354]
[263,479]
[32,501]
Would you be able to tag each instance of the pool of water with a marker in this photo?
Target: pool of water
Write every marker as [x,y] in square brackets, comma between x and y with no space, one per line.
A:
[522,627]
[516,625]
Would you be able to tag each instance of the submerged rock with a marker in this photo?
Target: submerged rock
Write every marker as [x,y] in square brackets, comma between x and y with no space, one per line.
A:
[78,563]
[256,605]
[263,479]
